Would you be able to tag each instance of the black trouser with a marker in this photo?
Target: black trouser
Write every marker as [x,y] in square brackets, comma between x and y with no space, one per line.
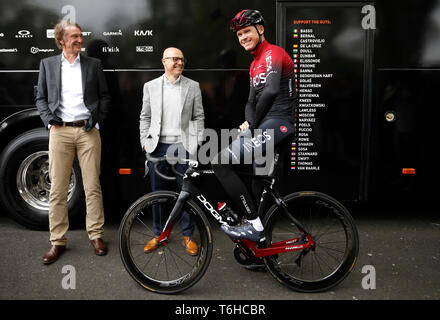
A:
[258,147]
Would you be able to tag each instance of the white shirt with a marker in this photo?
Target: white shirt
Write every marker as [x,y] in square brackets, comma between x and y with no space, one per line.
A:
[172,109]
[72,107]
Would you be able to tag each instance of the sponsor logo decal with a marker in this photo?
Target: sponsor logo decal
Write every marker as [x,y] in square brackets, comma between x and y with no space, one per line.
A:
[35,50]
[23,34]
[143,33]
[144,48]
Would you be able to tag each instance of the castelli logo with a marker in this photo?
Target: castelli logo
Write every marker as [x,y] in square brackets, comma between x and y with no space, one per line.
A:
[283,129]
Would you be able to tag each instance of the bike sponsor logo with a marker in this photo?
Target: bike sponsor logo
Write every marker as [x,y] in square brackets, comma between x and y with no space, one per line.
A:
[143,33]
[23,34]
[257,141]
[144,48]
[243,200]
[110,49]
[8,50]
[112,33]
[294,247]
[35,50]
[211,209]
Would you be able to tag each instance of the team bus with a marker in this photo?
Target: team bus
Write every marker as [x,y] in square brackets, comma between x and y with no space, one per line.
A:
[367,75]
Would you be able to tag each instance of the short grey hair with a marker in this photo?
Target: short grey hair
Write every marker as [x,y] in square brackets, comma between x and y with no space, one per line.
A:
[60,30]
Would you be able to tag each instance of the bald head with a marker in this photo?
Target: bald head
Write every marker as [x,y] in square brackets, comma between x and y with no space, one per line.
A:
[172,52]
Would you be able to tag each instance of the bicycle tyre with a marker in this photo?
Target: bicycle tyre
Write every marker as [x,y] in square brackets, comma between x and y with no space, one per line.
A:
[334,232]
[152,270]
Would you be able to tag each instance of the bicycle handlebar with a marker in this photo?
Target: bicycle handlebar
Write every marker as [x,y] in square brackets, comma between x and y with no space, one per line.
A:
[157,160]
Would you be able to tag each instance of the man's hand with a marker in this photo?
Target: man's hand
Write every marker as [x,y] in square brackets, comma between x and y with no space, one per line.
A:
[244,126]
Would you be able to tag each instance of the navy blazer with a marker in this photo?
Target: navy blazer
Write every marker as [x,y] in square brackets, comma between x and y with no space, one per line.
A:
[95,92]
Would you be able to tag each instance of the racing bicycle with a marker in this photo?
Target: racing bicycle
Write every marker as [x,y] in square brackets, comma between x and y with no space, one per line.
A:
[311,239]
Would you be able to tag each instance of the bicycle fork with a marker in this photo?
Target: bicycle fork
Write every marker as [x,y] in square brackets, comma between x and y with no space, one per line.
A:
[174,215]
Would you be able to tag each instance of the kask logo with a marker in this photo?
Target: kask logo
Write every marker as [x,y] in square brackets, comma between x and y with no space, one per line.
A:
[143,33]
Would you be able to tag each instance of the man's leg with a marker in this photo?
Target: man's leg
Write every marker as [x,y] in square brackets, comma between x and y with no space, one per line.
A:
[89,156]
[157,183]
[61,155]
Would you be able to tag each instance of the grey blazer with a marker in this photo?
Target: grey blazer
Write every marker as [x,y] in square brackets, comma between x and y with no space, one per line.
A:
[192,116]
[95,92]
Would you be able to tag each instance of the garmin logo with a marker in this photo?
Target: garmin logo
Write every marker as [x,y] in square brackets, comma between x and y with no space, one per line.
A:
[112,33]
[144,48]
[143,33]
[23,34]
[35,50]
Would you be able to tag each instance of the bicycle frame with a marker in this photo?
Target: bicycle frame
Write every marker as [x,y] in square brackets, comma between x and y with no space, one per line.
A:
[189,190]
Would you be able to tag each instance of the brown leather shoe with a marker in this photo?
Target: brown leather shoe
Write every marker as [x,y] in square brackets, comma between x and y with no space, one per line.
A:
[53,254]
[152,245]
[190,246]
[99,246]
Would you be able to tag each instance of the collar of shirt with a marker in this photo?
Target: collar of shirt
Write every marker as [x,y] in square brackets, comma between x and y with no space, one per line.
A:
[168,83]
[63,59]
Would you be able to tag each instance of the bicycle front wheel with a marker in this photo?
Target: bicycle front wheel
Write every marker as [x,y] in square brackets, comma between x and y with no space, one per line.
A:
[168,269]
[333,230]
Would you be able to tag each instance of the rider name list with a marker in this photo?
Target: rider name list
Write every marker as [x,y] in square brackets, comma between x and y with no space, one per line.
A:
[307,46]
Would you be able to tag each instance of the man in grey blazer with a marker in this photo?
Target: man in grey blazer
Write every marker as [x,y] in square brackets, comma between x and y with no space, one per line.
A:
[72,99]
[172,117]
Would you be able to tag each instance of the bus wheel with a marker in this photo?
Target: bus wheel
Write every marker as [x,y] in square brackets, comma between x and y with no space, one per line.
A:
[25,187]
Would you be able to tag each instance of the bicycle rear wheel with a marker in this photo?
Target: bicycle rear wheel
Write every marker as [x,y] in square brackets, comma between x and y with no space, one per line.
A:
[168,269]
[331,226]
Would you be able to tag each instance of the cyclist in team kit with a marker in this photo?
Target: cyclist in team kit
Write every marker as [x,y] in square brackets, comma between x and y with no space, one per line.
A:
[270,110]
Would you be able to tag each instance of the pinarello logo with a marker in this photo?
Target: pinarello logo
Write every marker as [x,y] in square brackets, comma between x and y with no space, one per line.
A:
[283,129]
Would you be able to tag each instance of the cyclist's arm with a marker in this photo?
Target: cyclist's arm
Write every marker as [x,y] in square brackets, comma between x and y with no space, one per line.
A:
[270,91]
[249,112]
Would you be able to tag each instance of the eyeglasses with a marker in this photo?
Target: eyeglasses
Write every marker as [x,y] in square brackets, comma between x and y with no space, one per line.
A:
[176,59]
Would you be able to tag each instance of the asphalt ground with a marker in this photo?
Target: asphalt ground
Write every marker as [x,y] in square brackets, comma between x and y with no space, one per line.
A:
[400,248]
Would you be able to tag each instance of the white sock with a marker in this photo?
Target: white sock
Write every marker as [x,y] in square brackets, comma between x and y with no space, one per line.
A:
[257,224]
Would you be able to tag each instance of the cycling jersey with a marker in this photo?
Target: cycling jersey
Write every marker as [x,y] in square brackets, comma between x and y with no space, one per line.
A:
[272,86]
[271,105]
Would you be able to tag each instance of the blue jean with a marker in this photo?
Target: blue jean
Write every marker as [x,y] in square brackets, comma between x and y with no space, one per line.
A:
[160,213]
